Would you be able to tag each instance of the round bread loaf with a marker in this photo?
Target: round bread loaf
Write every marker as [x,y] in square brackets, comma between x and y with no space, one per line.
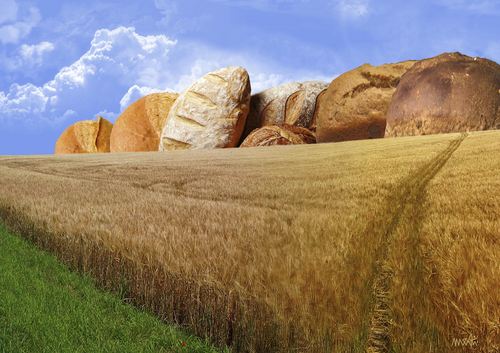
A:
[139,127]
[294,103]
[355,104]
[279,134]
[86,136]
[447,93]
[210,113]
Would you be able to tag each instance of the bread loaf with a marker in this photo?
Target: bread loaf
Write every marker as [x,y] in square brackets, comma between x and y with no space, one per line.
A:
[86,136]
[294,103]
[448,93]
[139,127]
[279,134]
[210,113]
[355,105]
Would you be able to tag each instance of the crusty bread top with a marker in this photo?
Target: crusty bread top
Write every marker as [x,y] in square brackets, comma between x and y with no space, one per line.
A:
[279,134]
[138,128]
[355,104]
[87,136]
[294,103]
[444,94]
[209,113]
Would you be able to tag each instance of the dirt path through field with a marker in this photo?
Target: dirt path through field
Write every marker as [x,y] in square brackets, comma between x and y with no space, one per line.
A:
[404,207]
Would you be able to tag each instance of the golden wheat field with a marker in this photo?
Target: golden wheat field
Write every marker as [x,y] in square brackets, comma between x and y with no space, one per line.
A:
[374,245]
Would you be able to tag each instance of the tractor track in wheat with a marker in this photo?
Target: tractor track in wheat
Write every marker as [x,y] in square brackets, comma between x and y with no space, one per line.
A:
[404,206]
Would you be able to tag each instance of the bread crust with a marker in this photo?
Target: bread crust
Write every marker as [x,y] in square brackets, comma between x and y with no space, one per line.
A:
[355,104]
[87,136]
[294,103]
[210,113]
[138,128]
[279,134]
[448,93]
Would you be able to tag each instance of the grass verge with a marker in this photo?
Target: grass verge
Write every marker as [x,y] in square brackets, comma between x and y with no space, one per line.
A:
[44,307]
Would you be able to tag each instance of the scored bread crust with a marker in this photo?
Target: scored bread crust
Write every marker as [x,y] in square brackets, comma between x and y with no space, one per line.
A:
[279,134]
[138,128]
[293,103]
[87,136]
[210,113]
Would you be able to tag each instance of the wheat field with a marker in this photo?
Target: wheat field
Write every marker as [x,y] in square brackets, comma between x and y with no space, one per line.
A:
[374,245]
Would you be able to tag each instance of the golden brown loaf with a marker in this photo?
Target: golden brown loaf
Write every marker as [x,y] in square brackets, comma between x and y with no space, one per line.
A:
[139,127]
[279,134]
[294,103]
[86,136]
[210,113]
[355,105]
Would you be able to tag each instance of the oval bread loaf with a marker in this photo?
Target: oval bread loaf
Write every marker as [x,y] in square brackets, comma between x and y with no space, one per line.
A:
[294,103]
[355,104]
[139,127]
[86,136]
[279,134]
[210,113]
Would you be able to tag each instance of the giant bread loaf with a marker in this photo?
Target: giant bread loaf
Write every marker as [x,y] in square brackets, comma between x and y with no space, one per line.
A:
[279,134]
[355,105]
[210,113]
[447,93]
[139,127]
[294,103]
[87,136]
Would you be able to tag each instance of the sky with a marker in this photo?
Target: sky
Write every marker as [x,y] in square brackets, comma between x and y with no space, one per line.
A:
[66,61]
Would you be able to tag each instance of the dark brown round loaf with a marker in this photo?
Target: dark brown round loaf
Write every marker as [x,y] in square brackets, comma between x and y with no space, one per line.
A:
[279,134]
[447,93]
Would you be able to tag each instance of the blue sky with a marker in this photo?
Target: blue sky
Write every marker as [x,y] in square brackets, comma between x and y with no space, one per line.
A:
[68,61]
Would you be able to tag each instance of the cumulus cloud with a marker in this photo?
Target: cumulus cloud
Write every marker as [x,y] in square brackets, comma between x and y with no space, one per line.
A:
[117,60]
[134,93]
[32,55]
[12,33]
[9,11]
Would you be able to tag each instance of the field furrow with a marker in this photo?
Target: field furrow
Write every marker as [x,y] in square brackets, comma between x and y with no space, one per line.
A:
[407,199]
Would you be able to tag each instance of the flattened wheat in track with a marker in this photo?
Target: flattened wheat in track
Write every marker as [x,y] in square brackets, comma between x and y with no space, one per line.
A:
[403,206]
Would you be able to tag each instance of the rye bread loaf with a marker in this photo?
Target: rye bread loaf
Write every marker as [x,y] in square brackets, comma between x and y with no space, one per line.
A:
[86,136]
[294,103]
[355,105]
[139,127]
[210,113]
[279,134]
[448,93]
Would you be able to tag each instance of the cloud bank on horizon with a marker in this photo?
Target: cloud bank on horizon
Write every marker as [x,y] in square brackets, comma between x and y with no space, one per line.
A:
[63,62]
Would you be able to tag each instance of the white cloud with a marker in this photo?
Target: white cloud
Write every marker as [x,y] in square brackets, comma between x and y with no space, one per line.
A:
[116,61]
[33,54]
[262,81]
[167,8]
[9,10]
[109,116]
[134,93]
[12,33]
[352,9]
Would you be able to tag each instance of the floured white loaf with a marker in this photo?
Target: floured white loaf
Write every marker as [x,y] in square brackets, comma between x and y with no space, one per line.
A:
[210,113]
[294,103]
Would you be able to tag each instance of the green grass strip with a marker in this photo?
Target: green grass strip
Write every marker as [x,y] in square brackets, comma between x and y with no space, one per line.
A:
[44,307]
